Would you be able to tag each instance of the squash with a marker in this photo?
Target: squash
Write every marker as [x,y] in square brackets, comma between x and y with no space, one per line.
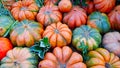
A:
[26,9]
[19,57]
[5,46]
[114,18]
[75,18]
[49,14]
[62,58]
[65,5]
[58,34]
[5,23]
[85,35]
[100,21]
[111,41]
[26,33]
[101,58]
[50,2]
[104,5]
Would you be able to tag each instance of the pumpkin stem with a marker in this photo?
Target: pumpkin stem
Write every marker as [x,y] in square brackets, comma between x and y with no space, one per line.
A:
[107,65]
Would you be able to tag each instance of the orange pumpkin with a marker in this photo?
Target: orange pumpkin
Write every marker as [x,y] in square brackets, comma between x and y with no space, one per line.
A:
[26,9]
[49,2]
[104,5]
[75,18]
[62,58]
[114,17]
[59,34]
[65,5]
[49,14]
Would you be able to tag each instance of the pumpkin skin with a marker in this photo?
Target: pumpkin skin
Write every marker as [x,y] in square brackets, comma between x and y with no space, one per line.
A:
[26,33]
[114,18]
[75,18]
[104,5]
[49,14]
[25,9]
[5,23]
[65,5]
[58,34]
[19,57]
[111,41]
[5,46]
[101,58]
[50,2]
[99,21]
[62,58]
[87,35]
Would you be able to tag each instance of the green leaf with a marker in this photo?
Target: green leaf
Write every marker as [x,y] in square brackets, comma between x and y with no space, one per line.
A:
[40,3]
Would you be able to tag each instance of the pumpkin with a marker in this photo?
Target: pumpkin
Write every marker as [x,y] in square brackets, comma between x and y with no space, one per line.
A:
[100,21]
[5,46]
[101,58]
[62,58]
[50,2]
[26,9]
[5,23]
[26,33]
[111,41]
[58,34]
[104,5]
[49,14]
[19,57]
[65,5]
[75,18]
[114,18]
[85,35]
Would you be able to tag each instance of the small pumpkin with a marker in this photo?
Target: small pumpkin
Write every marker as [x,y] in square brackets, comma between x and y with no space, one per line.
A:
[49,14]
[26,33]
[100,21]
[50,2]
[58,34]
[19,57]
[101,58]
[75,18]
[114,18]
[85,35]
[65,5]
[5,46]
[104,5]
[26,9]
[111,41]
[62,58]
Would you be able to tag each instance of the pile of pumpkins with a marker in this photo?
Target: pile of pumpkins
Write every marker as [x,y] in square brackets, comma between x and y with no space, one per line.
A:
[68,27]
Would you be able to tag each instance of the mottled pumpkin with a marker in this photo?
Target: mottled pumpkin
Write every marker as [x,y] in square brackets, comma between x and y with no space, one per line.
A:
[49,14]
[101,58]
[87,35]
[62,58]
[19,57]
[50,2]
[26,33]
[59,34]
[26,9]
[100,21]
[114,17]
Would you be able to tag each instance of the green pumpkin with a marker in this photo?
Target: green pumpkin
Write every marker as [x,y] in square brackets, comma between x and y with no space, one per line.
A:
[19,58]
[99,21]
[87,36]
[5,23]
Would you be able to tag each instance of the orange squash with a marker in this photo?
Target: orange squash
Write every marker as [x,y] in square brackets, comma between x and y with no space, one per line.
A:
[50,2]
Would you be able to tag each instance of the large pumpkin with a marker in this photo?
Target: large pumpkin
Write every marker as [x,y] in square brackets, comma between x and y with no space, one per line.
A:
[50,2]
[104,5]
[75,18]
[62,58]
[87,35]
[26,33]
[19,58]
[26,9]
[59,34]
[5,45]
[111,41]
[5,23]
[101,58]
[114,17]
[99,21]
